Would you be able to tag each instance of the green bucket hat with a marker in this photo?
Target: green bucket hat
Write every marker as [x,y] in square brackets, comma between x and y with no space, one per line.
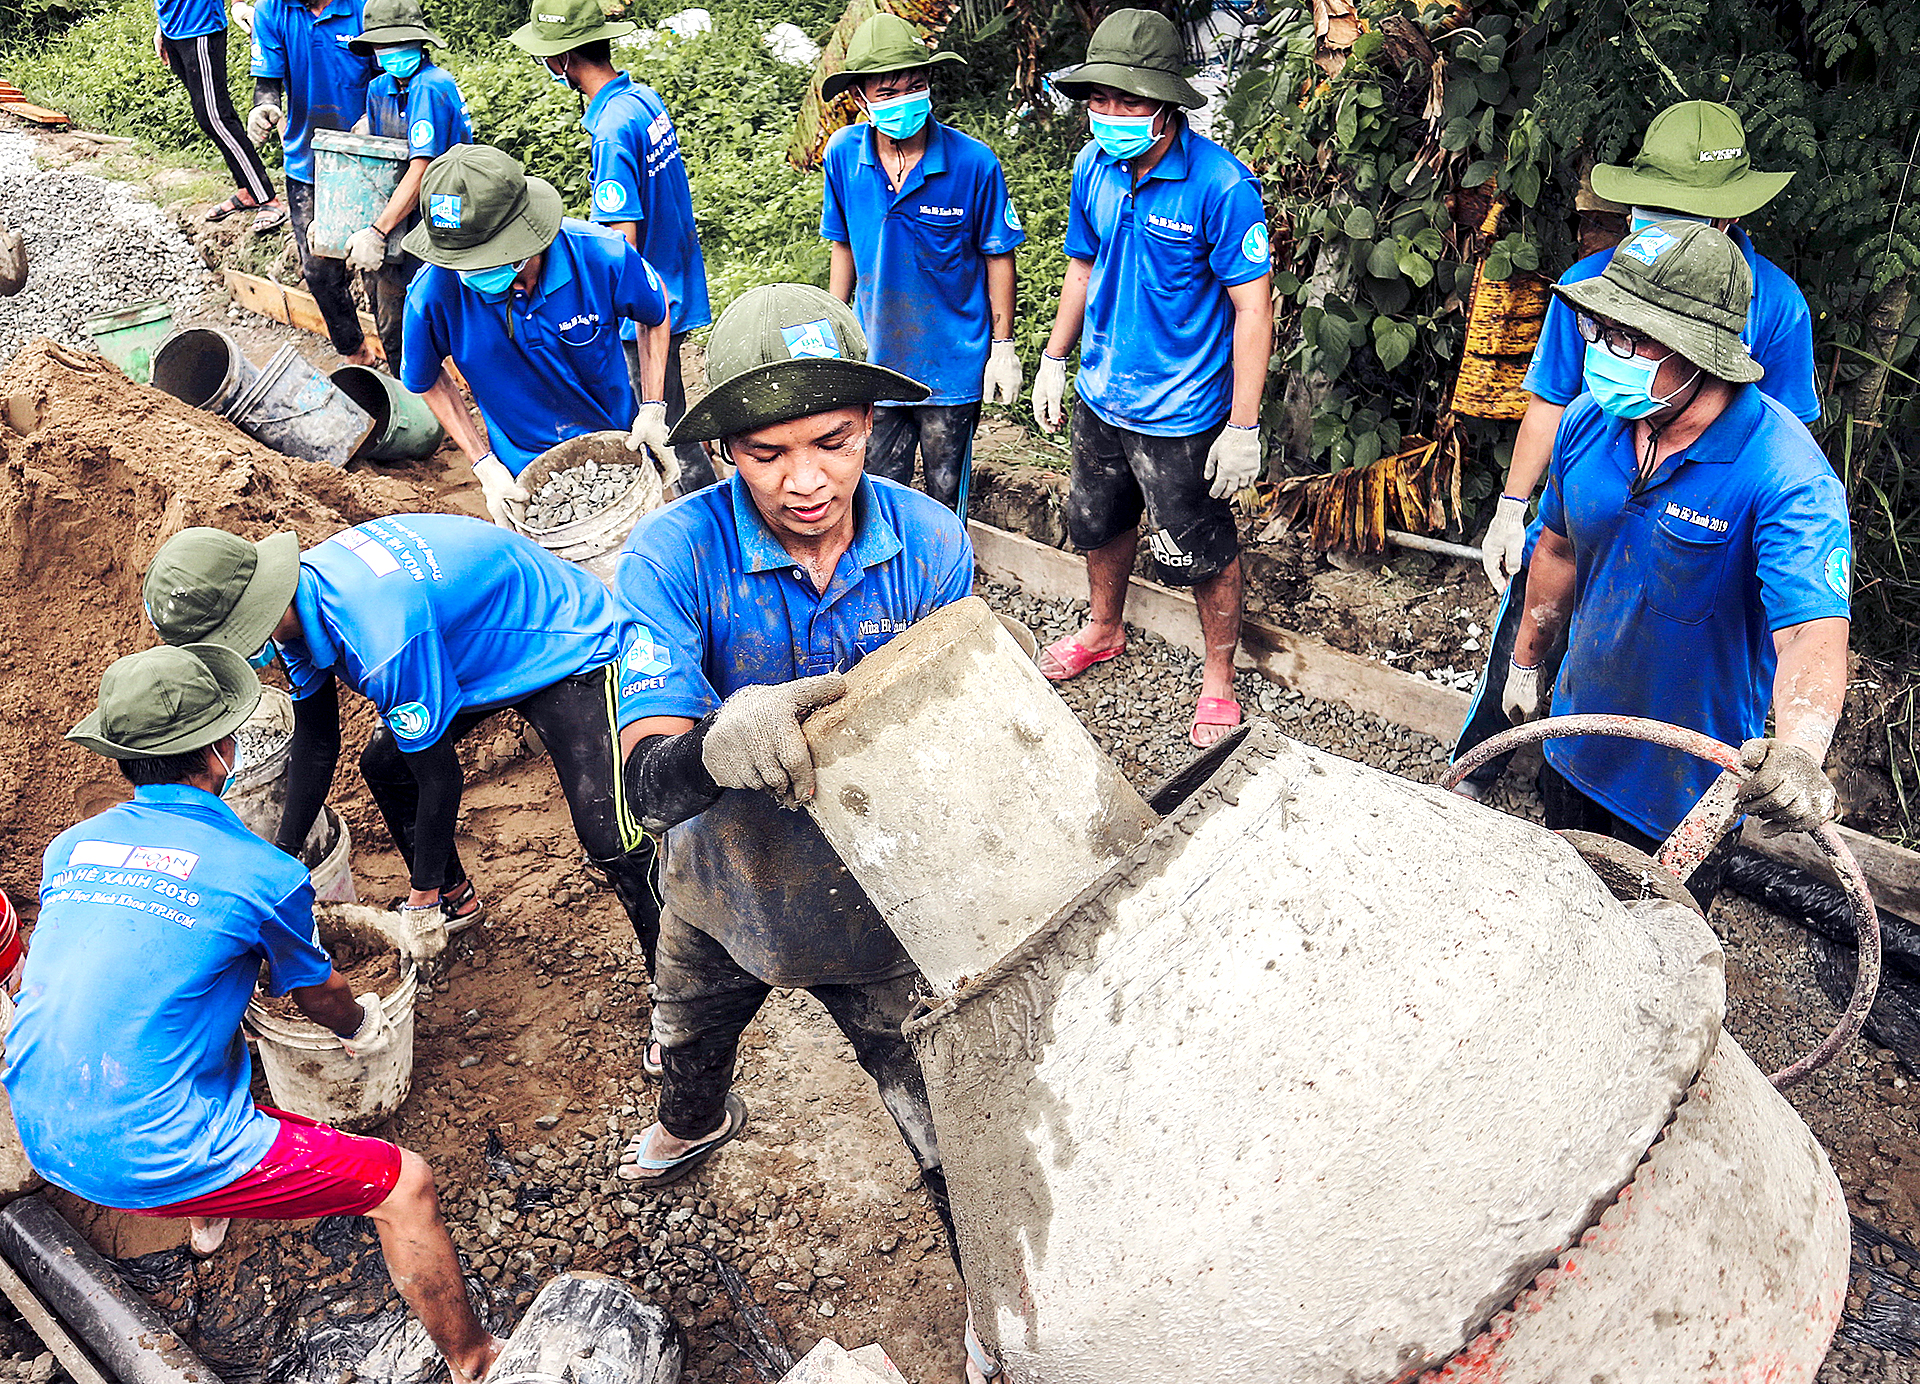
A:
[211,586]
[1693,159]
[560,26]
[480,210]
[783,351]
[169,700]
[1684,284]
[387,22]
[883,43]
[1136,51]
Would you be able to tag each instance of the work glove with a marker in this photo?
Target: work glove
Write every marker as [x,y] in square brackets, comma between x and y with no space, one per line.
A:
[650,431]
[1000,382]
[262,121]
[505,497]
[1785,788]
[756,742]
[1524,698]
[242,14]
[375,1034]
[362,126]
[366,250]
[1233,461]
[1049,389]
[1504,541]
[159,50]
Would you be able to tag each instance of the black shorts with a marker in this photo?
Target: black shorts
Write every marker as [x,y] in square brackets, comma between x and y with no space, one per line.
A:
[1119,475]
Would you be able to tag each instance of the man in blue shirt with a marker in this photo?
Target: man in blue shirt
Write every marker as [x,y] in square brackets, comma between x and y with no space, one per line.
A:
[440,621]
[1693,166]
[528,305]
[640,189]
[414,100]
[1695,552]
[1168,270]
[126,1067]
[191,39]
[922,234]
[306,78]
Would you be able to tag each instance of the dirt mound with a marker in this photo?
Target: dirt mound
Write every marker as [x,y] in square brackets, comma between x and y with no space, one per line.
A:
[96,472]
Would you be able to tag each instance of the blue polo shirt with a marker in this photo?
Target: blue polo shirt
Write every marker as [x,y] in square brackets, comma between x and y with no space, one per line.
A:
[1156,355]
[430,615]
[126,1067]
[429,113]
[324,80]
[1678,590]
[182,19]
[722,606]
[639,175]
[1779,333]
[544,366]
[920,254]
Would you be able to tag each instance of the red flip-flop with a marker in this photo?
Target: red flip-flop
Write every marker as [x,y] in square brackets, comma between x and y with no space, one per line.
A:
[1067,657]
[1213,711]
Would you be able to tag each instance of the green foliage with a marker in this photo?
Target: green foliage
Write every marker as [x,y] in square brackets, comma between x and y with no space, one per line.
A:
[24,19]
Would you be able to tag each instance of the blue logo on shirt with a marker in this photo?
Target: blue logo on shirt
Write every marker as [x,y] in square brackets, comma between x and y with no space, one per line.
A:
[1254,243]
[1649,245]
[609,196]
[409,722]
[443,209]
[1011,217]
[645,656]
[422,132]
[1839,572]
[814,340]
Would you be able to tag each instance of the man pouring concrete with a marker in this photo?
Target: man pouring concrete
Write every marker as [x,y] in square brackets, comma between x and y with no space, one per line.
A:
[126,1067]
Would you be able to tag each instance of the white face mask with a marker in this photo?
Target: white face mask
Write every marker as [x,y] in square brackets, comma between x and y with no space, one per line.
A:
[231,770]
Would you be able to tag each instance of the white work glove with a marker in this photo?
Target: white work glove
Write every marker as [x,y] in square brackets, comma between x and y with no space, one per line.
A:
[505,497]
[650,431]
[1233,461]
[1049,390]
[242,14]
[362,126]
[756,742]
[366,250]
[1522,699]
[1504,541]
[375,1034]
[262,121]
[159,51]
[1785,788]
[1000,381]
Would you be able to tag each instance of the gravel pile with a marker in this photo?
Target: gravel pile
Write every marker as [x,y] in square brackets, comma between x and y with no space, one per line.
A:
[92,246]
[577,493]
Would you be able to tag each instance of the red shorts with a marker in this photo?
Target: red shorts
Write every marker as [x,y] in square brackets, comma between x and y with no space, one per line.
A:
[311,1170]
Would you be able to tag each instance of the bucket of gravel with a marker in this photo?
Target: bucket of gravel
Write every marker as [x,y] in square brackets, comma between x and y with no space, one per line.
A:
[202,366]
[295,409]
[588,492]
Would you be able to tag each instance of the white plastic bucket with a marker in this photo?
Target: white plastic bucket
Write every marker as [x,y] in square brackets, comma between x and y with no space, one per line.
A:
[328,855]
[257,791]
[17,1176]
[595,541]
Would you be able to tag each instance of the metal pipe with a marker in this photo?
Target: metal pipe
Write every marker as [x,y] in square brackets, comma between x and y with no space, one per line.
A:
[1419,542]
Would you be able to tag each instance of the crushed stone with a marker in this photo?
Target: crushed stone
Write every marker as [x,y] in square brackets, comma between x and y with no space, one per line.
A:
[577,493]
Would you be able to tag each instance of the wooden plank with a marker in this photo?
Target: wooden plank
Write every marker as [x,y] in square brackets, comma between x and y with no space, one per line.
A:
[37,115]
[50,1329]
[1893,874]
[10,92]
[295,307]
[256,294]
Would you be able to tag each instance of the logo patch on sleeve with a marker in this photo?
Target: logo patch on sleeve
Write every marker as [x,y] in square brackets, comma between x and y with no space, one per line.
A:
[422,132]
[646,656]
[409,722]
[1254,244]
[1011,217]
[609,196]
[812,340]
[1839,572]
[443,209]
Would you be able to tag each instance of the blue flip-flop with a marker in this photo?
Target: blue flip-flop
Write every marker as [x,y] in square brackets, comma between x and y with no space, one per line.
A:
[660,1172]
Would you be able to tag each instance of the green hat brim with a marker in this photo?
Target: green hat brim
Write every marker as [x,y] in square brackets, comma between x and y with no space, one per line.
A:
[365,43]
[1743,196]
[239,694]
[527,234]
[1715,349]
[787,389]
[1077,83]
[531,40]
[847,76]
[250,624]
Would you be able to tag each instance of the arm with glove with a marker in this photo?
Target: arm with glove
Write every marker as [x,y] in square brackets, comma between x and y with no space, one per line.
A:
[269,110]
[1001,380]
[1233,461]
[1786,788]
[1503,546]
[1050,380]
[1549,607]
[650,428]
[367,247]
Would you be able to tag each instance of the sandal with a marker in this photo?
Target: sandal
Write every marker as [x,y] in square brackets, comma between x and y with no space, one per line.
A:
[660,1172]
[204,1240]
[271,218]
[653,1062]
[1213,711]
[1067,657]
[233,206]
[462,907]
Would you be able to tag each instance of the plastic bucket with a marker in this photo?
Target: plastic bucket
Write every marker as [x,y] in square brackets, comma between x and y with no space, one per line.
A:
[354,177]
[404,428]
[328,855]
[17,1176]
[310,1074]
[595,541]
[202,366]
[129,336]
[13,947]
[295,409]
[257,791]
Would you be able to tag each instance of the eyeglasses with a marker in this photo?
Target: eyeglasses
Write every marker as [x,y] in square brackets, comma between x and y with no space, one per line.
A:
[1618,340]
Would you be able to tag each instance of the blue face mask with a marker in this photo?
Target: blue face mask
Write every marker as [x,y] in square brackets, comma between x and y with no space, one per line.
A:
[399,63]
[1643,218]
[1123,136]
[491,284]
[901,117]
[558,78]
[1624,388]
[264,657]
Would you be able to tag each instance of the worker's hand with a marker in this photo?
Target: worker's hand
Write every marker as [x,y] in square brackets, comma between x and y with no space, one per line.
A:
[1785,788]
[1049,390]
[159,48]
[242,14]
[650,431]
[1524,697]
[1233,461]
[756,742]
[262,121]
[362,126]
[1000,382]
[366,250]
[375,1034]
[1504,541]
[505,497]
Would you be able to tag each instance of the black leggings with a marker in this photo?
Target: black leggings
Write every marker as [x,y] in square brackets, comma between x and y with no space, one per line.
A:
[326,278]
[201,65]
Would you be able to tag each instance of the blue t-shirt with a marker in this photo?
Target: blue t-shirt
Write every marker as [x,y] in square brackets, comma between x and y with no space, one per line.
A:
[721,606]
[430,615]
[325,81]
[639,175]
[126,1066]
[1779,334]
[430,115]
[1156,355]
[191,18]
[920,254]
[1678,590]
[546,366]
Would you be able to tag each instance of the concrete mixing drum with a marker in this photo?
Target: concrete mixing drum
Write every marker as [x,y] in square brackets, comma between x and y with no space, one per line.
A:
[1304,1072]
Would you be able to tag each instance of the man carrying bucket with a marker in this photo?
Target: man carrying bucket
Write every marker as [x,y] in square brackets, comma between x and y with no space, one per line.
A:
[528,305]
[125,1066]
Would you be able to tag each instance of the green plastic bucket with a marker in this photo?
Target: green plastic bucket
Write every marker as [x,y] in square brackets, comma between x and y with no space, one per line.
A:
[354,177]
[129,336]
[404,428]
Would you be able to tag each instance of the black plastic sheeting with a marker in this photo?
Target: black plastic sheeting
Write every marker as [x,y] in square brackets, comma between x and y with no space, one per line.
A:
[1888,1315]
